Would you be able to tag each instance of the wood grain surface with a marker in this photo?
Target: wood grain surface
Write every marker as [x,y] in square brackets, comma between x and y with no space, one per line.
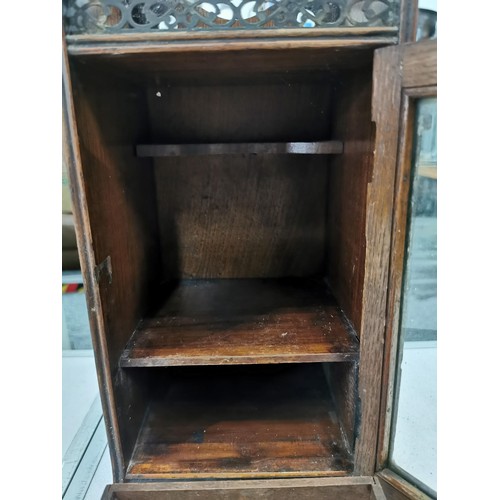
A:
[208,46]
[213,322]
[419,86]
[237,217]
[348,181]
[397,488]
[408,21]
[229,34]
[73,161]
[343,382]
[241,216]
[380,196]
[318,488]
[236,422]
[398,251]
[110,117]
[242,66]
[270,148]
[419,64]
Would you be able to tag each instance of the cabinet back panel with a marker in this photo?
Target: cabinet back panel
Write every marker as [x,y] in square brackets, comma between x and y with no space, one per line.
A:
[240,113]
[241,215]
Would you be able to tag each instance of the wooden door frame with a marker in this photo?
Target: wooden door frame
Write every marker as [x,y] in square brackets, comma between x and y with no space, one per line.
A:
[397,488]
[418,62]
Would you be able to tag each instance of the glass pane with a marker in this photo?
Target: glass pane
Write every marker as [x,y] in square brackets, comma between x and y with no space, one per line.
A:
[414,432]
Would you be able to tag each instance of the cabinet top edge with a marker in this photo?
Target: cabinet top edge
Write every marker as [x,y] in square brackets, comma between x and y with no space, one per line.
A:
[135,45]
[234,34]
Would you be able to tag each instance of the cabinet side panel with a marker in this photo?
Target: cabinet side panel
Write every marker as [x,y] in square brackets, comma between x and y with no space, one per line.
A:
[111,118]
[342,379]
[72,158]
[349,176]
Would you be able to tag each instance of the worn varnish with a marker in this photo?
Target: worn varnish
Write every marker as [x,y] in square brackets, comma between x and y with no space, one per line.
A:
[348,180]
[250,217]
[241,216]
[319,488]
[229,34]
[419,63]
[267,148]
[379,213]
[221,46]
[243,224]
[212,322]
[241,66]
[110,119]
[342,379]
[415,84]
[241,422]
[396,488]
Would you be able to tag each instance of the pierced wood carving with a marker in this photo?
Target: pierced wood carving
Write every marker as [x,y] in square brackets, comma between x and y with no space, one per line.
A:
[111,16]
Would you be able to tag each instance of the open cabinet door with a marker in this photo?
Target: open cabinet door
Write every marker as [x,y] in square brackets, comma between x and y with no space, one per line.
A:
[411,301]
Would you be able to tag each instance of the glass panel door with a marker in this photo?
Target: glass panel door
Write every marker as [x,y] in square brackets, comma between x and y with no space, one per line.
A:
[413,448]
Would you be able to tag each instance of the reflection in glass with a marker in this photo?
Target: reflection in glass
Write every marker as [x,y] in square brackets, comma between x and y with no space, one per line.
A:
[414,435]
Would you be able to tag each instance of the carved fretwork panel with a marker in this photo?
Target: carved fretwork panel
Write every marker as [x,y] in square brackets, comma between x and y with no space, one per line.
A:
[111,16]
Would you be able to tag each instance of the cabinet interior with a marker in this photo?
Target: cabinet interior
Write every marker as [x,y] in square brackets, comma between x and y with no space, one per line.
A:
[231,284]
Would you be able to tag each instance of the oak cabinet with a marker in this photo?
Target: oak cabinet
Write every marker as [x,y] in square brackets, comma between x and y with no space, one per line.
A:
[233,195]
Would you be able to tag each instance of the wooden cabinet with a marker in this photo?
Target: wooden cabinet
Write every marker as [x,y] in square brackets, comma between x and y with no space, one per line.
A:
[233,197]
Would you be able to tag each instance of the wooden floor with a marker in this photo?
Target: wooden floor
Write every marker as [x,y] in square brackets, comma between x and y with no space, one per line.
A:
[239,421]
[243,321]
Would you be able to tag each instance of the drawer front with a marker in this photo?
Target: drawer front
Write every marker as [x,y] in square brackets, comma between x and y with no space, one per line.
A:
[353,488]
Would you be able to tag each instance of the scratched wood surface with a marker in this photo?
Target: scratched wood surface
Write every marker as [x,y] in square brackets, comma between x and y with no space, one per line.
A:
[73,161]
[241,216]
[396,488]
[342,379]
[380,195]
[121,230]
[271,148]
[243,66]
[313,492]
[414,86]
[229,34]
[321,488]
[214,322]
[349,176]
[330,44]
[408,21]
[241,421]
[111,118]
[419,64]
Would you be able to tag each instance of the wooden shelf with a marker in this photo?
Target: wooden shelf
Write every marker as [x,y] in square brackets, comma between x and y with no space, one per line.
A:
[237,422]
[291,148]
[243,321]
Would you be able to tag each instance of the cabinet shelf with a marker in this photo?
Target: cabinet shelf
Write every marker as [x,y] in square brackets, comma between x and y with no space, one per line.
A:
[293,148]
[243,321]
[241,422]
